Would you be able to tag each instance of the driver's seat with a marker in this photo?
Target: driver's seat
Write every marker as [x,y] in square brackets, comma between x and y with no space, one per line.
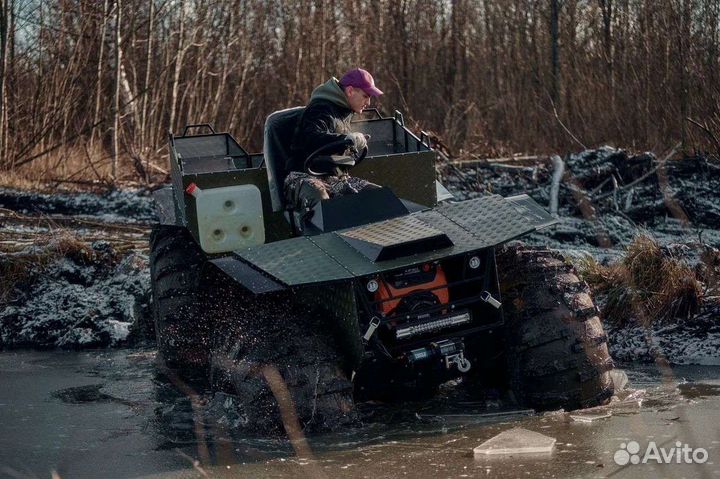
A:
[278,135]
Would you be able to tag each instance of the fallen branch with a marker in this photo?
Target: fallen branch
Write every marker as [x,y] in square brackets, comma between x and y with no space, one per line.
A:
[584,204]
[600,186]
[506,159]
[558,172]
[60,181]
[141,228]
[473,185]
[567,130]
[501,166]
[642,178]
[156,167]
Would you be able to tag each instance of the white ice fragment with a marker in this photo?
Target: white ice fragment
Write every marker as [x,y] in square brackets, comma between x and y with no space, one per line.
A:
[118,330]
[619,379]
[516,441]
[590,416]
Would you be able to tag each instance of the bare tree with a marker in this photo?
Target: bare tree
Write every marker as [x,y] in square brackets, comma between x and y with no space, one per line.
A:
[555,49]
[178,60]
[6,12]
[118,81]
[478,72]
[100,64]
[146,82]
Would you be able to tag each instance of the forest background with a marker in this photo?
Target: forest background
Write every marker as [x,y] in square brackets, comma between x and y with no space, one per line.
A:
[90,88]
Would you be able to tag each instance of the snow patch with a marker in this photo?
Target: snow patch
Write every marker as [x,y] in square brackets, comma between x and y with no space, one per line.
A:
[117,206]
[73,305]
[696,342]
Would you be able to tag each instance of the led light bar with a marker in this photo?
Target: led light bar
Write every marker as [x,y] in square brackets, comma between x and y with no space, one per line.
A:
[426,327]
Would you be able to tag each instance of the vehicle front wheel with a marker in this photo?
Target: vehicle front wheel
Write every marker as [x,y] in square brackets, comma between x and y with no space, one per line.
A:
[557,348]
[181,323]
[276,357]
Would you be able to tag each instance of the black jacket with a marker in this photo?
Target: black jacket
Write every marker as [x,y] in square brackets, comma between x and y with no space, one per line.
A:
[325,120]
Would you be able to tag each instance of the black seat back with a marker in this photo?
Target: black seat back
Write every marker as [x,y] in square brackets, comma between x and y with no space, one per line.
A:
[278,135]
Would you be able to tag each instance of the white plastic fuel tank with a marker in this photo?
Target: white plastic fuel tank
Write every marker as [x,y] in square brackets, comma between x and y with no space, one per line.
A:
[229,217]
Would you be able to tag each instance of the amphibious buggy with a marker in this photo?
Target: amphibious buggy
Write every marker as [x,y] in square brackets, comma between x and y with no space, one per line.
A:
[384,293]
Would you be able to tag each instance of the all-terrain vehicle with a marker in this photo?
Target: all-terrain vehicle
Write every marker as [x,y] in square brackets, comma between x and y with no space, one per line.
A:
[388,292]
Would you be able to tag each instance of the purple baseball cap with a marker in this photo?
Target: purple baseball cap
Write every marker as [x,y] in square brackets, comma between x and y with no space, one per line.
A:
[362,79]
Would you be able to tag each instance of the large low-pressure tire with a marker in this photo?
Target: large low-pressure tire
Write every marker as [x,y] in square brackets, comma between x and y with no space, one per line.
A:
[557,348]
[181,326]
[267,346]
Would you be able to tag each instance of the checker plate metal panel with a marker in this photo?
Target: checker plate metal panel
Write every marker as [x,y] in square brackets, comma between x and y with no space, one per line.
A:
[252,279]
[535,213]
[295,261]
[461,238]
[472,225]
[392,232]
[355,262]
[490,218]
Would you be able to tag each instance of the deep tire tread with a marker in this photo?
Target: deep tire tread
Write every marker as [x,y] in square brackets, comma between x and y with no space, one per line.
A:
[558,350]
[290,339]
[175,269]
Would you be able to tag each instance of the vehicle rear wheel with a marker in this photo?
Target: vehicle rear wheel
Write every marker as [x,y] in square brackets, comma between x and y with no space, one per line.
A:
[181,325]
[268,346]
[557,348]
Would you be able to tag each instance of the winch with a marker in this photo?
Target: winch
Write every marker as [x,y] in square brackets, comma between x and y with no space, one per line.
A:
[451,351]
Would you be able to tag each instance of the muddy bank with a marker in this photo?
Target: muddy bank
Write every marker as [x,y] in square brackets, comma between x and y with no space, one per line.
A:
[605,200]
[640,186]
[71,294]
[606,195]
[696,342]
[130,205]
[74,268]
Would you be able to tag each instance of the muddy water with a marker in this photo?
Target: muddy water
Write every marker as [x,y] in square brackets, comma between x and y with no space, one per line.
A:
[108,414]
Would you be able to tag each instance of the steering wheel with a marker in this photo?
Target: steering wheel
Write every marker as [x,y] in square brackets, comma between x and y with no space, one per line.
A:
[359,156]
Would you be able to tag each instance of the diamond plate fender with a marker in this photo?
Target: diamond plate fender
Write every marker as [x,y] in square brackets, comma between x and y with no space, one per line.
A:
[471,225]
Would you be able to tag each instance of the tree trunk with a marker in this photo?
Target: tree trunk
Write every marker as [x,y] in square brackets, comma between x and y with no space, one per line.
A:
[684,45]
[98,90]
[178,66]
[229,39]
[554,49]
[606,7]
[146,83]
[5,12]
[118,81]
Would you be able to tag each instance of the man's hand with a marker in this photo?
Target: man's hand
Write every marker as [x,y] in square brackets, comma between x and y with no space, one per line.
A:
[359,140]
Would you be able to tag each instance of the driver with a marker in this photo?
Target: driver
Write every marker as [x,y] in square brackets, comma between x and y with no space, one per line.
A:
[326,120]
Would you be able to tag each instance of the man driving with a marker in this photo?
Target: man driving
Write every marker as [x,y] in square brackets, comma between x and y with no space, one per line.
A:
[324,129]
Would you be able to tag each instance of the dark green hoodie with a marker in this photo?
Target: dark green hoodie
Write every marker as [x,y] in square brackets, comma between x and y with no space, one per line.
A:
[325,120]
[331,91]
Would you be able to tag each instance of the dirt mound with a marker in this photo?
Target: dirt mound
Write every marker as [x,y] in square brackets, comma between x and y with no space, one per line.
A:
[636,190]
[645,188]
[696,341]
[658,298]
[66,293]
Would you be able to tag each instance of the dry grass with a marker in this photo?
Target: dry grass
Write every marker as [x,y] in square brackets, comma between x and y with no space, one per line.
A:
[77,167]
[648,285]
[78,162]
